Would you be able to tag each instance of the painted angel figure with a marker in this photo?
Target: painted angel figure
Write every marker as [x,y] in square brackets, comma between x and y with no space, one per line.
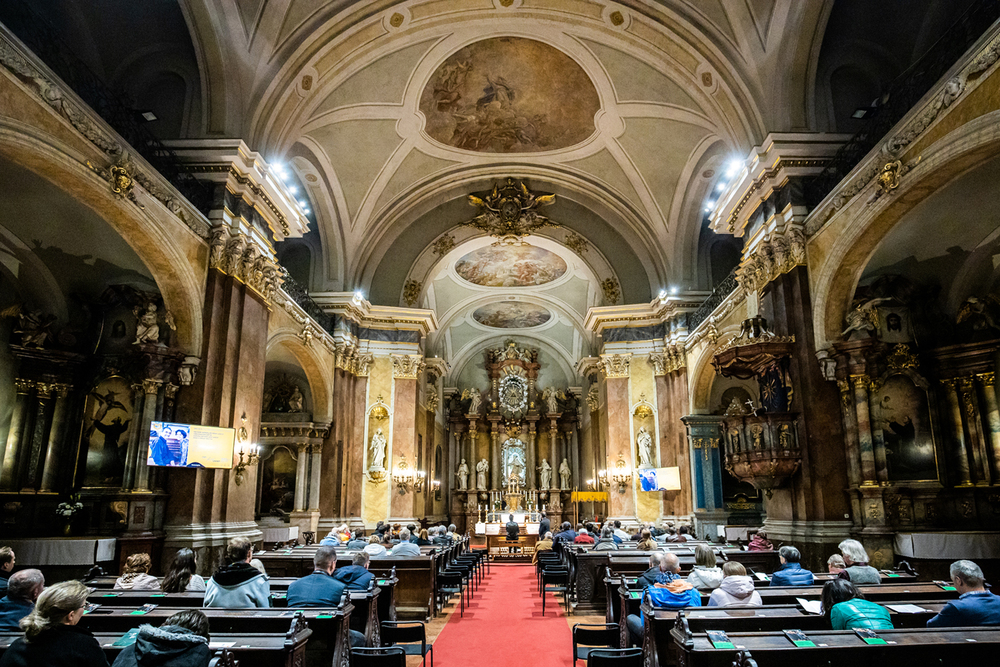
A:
[378,451]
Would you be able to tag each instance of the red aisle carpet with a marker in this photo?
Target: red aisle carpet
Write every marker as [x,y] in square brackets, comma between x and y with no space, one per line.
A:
[504,626]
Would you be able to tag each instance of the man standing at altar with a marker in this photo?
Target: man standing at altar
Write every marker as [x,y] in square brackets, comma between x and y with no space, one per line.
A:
[513,530]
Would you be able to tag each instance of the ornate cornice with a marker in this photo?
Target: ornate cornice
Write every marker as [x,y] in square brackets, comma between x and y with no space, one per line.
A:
[775,255]
[616,365]
[237,256]
[406,366]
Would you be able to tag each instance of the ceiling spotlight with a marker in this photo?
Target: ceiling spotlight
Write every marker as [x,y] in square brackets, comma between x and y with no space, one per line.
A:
[732,168]
[720,187]
[305,210]
[148,116]
[303,204]
[293,189]
[673,289]
[861,112]
[709,205]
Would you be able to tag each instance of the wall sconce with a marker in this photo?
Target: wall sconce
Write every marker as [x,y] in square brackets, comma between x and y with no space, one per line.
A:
[419,480]
[402,475]
[621,476]
[248,452]
[436,487]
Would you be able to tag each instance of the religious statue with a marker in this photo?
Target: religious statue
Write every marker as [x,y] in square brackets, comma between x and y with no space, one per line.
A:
[516,468]
[463,476]
[482,469]
[477,401]
[378,451]
[545,474]
[864,317]
[564,475]
[147,329]
[295,401]
[758,432]
[645,443]
[551,398]
[785,437]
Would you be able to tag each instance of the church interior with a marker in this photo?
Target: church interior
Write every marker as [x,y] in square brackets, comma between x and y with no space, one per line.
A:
[731,265]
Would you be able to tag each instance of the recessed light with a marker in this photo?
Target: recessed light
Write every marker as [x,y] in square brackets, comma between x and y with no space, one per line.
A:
[293,189]
[721,187]
[710,205]
[733,167]
[148,116]
[860,112]
[303,204]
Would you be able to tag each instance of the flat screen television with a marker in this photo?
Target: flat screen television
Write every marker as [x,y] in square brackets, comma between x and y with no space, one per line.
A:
[659,479]
[190,446]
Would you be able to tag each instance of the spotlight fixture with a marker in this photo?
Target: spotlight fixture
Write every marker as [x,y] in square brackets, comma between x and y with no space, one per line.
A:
[733,167]
[293,189]
[673,289]
[861,112]
[148,116]
[720,187]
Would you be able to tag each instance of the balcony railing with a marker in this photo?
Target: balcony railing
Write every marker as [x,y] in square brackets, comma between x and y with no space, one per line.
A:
[718,295]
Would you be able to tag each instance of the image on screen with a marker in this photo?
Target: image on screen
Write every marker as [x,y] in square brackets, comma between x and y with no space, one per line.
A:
[659,479]
[647,479]
[190,446]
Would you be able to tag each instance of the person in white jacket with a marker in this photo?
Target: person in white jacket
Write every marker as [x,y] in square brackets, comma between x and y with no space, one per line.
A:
[736,589]
[706,573]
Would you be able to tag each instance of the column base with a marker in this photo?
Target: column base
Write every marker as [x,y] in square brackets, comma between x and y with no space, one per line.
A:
[707,523]
[306,520]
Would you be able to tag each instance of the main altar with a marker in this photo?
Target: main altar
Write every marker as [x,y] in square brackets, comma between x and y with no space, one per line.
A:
[519,450]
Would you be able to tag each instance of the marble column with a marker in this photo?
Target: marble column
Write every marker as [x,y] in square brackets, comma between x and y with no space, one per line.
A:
[301,476]
[404,436]
[43,397]
[495,467]
[573,442]
[959,456]
[316,454]
[850,433]
[878,440]
[532,462]
[987,383]
[57,437]
[134,433]
[151,389]
[554,459]
[861,383]
[8,473]
[973,427]
[621,504]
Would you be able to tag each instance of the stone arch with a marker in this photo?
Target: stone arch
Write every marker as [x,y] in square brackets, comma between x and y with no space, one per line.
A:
[317,371]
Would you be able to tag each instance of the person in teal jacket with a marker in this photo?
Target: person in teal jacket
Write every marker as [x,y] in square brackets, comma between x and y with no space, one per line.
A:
[846,609]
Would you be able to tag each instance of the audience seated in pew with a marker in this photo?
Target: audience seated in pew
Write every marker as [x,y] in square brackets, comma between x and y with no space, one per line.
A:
[545,544]
[736,589]
[975,605]
[375,547]
[619,533]
[24,588]
[583,537]
[646,541]
[6,567]
[706,572]
[683,535]
[51,638]
[453,529]
[607,540]
[136,576]
[791,573]
[669,591]
[759,542]
[321,588]
[358,542]
[835,564]
[846,608]
[356,575]
[182,641]
[405,546]
[439,536]
[181,575]
[657,570]
[856,559]
[238,583]
[567,534]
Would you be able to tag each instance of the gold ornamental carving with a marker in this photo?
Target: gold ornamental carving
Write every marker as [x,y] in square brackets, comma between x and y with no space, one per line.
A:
[616,365]
[150,386]
[612,292]
[406,366]
[363,363]
[901,358]
[987,379]
[510,212]
[411,292]
[22,386]
[576,243]
[443,245]
[659,363]
[861,381]
[594,398]
[379,410]
[236,256]
[119,176]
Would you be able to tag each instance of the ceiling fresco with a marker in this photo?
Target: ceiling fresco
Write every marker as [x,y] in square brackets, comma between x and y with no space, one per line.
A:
[510,266]
[511,315]
[509,95]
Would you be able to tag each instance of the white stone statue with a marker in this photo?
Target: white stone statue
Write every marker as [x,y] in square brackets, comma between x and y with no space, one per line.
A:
[463,476]
[551,398]
[482,469]
[147,329]
[477,401]
[378,451]
[545,474]
[295,401]
[645,444]
[564,474]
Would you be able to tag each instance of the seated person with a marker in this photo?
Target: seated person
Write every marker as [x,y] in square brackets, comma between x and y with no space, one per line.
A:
[668,592]
[646,542]
[567,534]
[791,573]
[321,588]
[439,536]
[856,559]
[683,535]
[423,539]
[607,541]
[136,576]
[412,527]
[759,542]
[358,542]
[636,534]
[182,641]
[23,589]
[545,544]
[706,572]
[619,533]
[356,575]
[583,537]
[656,572]
[736,589]
[846,609]
[375,548]
[331,539]
[181,575]
[453,532]
[238,583]
[974,606]
[6,567]
[405,546]
[835,564]
[513,530]
[51,636]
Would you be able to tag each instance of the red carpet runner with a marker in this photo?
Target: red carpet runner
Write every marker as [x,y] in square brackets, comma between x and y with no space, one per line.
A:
[504,626]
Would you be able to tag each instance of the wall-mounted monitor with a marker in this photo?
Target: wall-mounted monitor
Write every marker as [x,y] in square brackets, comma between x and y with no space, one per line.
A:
[190,446]
[659,479]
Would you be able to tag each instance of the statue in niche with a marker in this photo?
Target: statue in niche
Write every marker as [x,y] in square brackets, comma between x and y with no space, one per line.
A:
[545,473]
[644,441]
[516,468]
[476,402]
[34,326]
[295,401]
[147,329]
[463,476]
[864,317]
[378,451]
[551,398]
[564,475]
[482,469]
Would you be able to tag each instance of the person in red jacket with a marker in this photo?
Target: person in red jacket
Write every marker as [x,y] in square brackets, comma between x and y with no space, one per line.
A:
[583,538]
[760,542]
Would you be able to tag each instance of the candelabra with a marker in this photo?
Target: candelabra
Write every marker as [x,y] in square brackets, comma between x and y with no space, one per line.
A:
[622,476]
[248,452]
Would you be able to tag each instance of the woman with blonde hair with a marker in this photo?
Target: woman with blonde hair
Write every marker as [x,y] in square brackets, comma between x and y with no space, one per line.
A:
[136,576]
[51,636]
[706,572]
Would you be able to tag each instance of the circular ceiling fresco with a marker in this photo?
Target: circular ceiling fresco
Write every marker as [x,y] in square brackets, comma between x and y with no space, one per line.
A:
[509,95]
[510,266]
[511,315]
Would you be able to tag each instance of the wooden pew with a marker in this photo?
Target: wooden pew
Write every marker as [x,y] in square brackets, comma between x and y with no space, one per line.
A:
[911,647]
[251,650]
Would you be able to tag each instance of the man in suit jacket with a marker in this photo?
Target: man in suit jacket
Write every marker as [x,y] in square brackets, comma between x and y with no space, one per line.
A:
[321,588]
[544,525]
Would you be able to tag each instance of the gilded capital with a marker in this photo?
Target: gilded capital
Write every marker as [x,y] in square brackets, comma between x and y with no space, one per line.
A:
[658,361]
[363,364]
[303,447]
[23,386]
[44,390]
[62,389]
[170,391]
[986,379]
[861,381]
[150,386]
[406,366]
[616,365]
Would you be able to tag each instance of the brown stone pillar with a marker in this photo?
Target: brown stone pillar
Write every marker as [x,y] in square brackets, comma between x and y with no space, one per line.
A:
[957,450]
[987,383]
[8,473]
[621,503]
[405,369]
[57,437]
[672,401]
